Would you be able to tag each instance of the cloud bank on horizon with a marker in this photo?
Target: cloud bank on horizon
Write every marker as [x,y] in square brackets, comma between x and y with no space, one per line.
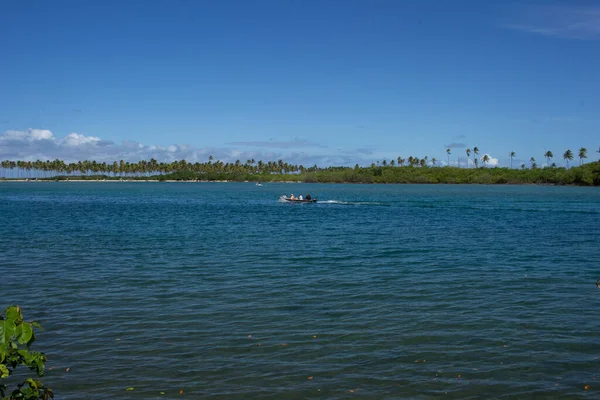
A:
[42,144]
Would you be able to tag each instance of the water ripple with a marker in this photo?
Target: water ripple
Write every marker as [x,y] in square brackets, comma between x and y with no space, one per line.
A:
[219,290]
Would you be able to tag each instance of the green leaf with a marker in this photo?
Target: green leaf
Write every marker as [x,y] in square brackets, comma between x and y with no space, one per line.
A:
[14,313]
[14,333]
[26,355]
[7,330]
[4,372]
[39,364]
[35,324]
[33,384]
[24,333]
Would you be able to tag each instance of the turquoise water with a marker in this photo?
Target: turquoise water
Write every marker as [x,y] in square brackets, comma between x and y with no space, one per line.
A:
[222,291]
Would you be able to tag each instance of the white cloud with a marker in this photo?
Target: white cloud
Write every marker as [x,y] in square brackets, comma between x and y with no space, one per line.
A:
[493,162]
[38,134]
[29,135]
[574,22]
[34,144]
[75,139]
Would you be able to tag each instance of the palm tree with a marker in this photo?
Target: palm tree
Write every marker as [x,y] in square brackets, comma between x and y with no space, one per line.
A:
[582,155]
[468,151]
[433,160]
[548,156]
[568,155]
[512,155]
[533,163]
[485,159]
[476,162]
[476,151]
[448,152]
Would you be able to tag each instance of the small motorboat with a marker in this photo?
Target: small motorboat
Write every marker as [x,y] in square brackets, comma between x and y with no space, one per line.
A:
[311,200]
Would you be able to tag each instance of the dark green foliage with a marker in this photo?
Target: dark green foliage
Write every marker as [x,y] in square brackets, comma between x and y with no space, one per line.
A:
[16,336]
[585,175]
[415,171]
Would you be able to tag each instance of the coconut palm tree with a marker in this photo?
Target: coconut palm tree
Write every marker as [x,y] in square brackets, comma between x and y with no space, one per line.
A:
[568,155]
[582,155]
[476,151]
[433,160]
[485,159]
[512,155]
[533,163]
[468,151]
[548,156]
[448,152]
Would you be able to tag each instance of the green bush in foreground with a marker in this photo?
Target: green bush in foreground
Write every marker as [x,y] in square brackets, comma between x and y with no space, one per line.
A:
[16,336]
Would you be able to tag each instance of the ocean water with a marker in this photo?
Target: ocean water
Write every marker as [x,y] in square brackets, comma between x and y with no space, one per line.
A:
[221,291]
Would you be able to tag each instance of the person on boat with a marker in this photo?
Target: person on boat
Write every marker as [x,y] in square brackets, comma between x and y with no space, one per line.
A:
[292,197]
[300,197]
[307,197]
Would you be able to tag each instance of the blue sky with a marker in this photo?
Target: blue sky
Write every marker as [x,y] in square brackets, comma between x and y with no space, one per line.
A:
[326,82]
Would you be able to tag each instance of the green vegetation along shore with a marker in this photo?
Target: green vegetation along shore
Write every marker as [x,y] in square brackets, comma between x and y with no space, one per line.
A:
[279,171]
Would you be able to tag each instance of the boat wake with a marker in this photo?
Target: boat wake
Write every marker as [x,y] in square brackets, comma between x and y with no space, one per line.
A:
[354,203]
[282,199]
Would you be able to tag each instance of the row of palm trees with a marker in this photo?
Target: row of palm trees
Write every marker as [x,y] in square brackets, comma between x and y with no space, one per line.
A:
[485,159]
[567,156]
[46,169]
[410,161]
[426,161]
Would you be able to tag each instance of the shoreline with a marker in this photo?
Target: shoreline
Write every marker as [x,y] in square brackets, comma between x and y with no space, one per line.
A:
[272,182]
[138,180]
[583,175]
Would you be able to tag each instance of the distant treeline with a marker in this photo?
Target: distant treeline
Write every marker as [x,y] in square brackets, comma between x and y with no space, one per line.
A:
[122,169]
[276,171]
